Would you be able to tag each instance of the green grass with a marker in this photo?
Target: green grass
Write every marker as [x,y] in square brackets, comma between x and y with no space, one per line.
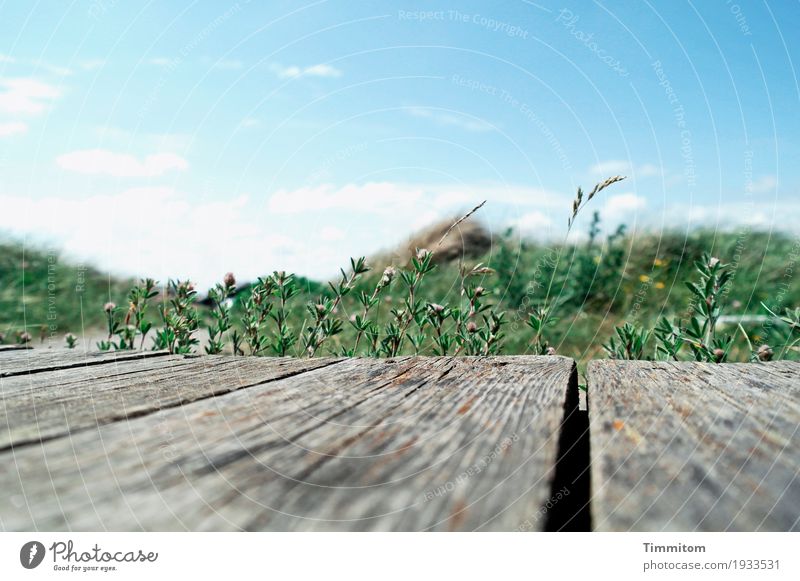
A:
[48,296]
[598,284]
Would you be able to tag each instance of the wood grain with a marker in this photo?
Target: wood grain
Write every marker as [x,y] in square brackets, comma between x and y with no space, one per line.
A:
[362,444]
[37,360]
[49,404]
[695,446]
[5,348]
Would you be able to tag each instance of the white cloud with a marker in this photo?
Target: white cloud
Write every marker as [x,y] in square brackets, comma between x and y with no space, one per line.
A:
[163,61]
[621,205]
[762,215]
[534,224]
[381,197]
[249,122]
[26,95]
[648,170]
[92,64]
[450,119]
[764,184]
[227,64]
[619,166]
[158,141]
[101,161]
[331,234]
[612,166]
[185,238]
[54,69]
[4,58]
[293,71]
[322,71]
[12,128]
[410,201]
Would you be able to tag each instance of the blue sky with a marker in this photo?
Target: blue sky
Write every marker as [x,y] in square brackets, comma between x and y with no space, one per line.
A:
[189,139]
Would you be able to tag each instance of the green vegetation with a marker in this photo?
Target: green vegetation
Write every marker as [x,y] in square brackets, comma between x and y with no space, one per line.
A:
[706,296]
[498,303]
[46,296]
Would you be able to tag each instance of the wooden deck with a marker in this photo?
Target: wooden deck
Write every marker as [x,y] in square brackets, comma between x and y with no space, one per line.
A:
[695,446]
[150,441]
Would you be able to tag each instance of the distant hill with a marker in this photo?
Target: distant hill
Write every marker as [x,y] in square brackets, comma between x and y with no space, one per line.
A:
[42,292]
[599,283]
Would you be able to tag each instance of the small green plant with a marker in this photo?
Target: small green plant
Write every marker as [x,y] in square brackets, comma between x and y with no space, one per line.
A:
[791,318]
[116,329]
[179,319]
[700,332]
[491,335]
[324,326]
[421,264]
[437,316]
[139,298]
[133,323]
[285,288]
[361,322]
[540,320]
[257,308]
[220,314]
[669,339]
[470,337]
[629,343]
[71,340]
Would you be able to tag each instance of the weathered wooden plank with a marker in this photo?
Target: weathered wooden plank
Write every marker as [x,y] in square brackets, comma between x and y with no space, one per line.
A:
[39,360]
[54,403]
[473,449]
[6,348]
[403,444]
[695,446]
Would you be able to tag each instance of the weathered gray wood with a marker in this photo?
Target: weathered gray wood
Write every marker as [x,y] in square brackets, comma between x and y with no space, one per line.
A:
[695,446]
[363,444]
[5,348]
[38,360]
[49,404]
[475,448]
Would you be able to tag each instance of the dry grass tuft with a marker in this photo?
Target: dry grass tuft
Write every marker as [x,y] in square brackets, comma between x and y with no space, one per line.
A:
[468,239]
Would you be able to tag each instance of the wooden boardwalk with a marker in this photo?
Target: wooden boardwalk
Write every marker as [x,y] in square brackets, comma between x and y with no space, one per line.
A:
[150,441]
[695,446]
